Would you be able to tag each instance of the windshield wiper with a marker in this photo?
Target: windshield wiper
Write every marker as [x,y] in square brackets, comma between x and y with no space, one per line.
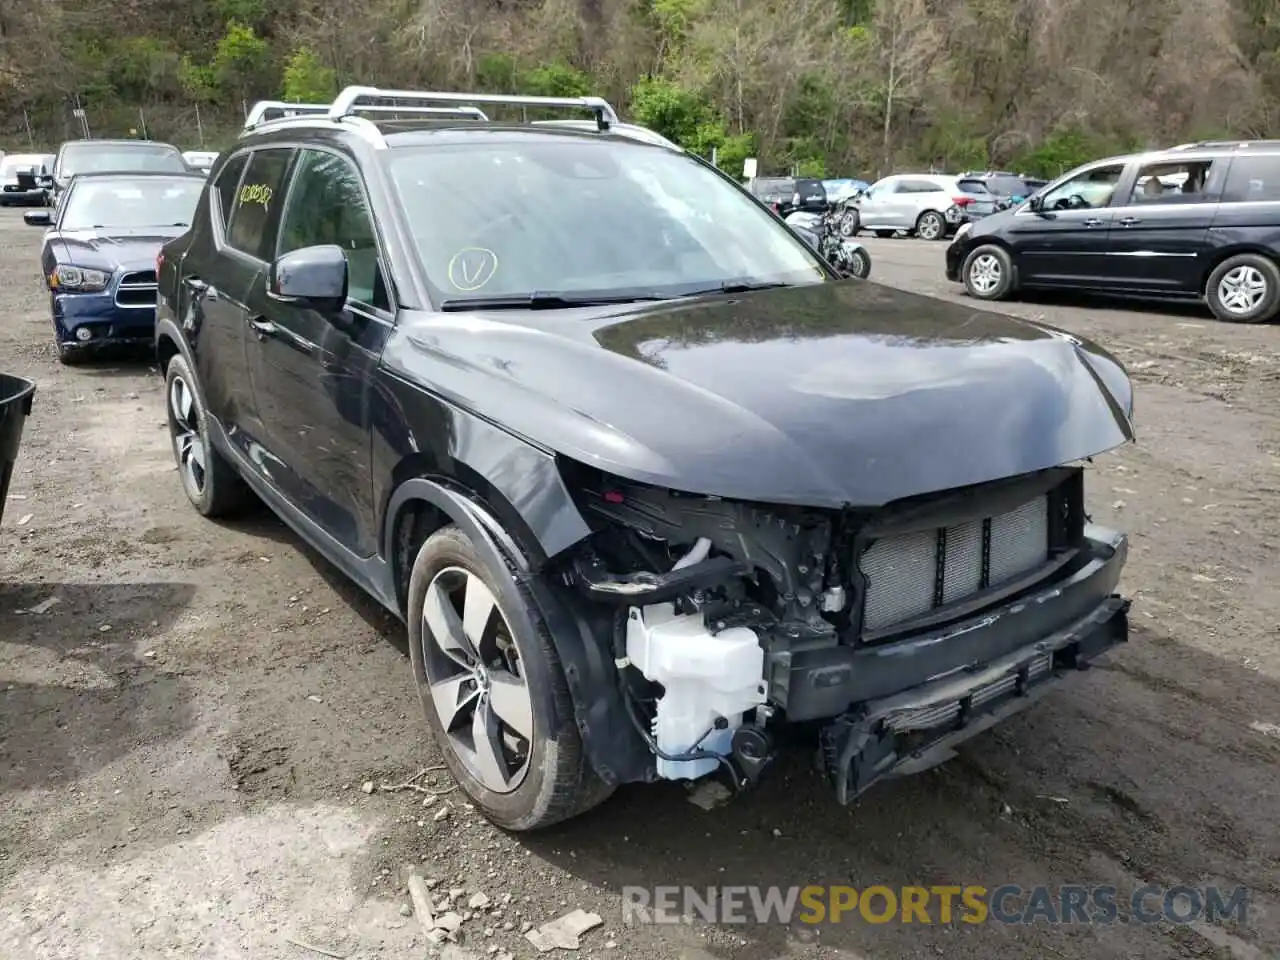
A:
[542,301]
[738,286]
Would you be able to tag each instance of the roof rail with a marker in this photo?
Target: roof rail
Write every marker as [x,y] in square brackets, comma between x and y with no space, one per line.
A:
[348,102]
[291,111]
[258,113]
[1226,143]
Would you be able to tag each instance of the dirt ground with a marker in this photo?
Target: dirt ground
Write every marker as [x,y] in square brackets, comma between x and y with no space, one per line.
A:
[185,733]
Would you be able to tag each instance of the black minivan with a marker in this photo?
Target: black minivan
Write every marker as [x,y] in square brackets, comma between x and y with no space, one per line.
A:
[1196,222]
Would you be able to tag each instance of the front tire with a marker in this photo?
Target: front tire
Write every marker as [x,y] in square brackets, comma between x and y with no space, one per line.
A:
[988,273]
[70,355]
[1244,289]
[497,703]
[210,483]
[931,226]
[850,223]
[859,263]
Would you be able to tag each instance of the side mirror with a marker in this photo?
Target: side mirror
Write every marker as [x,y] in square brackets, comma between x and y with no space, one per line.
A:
[37,218]
[314,277]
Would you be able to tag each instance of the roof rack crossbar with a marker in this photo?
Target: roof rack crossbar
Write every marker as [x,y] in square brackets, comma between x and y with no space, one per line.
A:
[348,102]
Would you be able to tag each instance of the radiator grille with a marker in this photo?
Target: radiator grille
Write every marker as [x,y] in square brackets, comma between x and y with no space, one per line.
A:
[137,289]
[910,574]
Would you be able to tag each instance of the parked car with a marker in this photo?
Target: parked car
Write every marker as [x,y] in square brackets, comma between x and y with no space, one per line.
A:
[1007,188]
[20,175]
[788,194]
[201,161]
[843,189]
[643,477]
[1195,223]
[99,255]
[112,156]
[931,206]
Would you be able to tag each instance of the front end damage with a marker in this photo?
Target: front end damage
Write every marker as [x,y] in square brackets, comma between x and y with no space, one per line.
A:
[896,633]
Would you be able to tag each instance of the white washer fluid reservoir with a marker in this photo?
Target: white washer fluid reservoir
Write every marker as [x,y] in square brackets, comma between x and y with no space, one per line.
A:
[705,676]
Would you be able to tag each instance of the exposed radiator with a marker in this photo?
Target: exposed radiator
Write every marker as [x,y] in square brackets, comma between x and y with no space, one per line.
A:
[908,575]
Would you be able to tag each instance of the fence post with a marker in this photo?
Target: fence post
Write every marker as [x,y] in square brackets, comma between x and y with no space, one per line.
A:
[199,126]
[26,120]
[142,117]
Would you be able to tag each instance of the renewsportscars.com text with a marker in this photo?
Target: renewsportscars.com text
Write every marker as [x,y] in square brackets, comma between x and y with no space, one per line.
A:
[941,904]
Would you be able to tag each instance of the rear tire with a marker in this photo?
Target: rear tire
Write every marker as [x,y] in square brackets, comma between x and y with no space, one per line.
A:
[988,273]
[540,777]
[210,483]
[1244,289]
[931,226]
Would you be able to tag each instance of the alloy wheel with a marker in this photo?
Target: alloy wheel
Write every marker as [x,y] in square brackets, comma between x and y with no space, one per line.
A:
[473,672]
[1242,290]
[188,442]
[985,274]
[930,227]
[849,224]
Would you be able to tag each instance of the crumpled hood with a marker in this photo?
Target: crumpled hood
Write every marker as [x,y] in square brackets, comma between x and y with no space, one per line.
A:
[107,250]
[832,394]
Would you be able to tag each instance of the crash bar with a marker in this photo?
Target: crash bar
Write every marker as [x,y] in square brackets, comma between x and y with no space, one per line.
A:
[257,115]
[348,102]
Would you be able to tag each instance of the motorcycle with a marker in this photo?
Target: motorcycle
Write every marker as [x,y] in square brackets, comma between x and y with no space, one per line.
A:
[821,231]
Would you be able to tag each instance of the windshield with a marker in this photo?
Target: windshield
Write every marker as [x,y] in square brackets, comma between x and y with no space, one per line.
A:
[118,158]
[578,217]
[129,204]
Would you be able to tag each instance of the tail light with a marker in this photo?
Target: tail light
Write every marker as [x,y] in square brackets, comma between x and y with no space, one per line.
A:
[962,201]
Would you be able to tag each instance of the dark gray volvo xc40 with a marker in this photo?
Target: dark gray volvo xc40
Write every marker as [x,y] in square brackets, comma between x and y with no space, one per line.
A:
[647,482]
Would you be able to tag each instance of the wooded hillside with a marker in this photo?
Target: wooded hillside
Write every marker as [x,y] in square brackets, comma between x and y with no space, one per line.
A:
[833,87]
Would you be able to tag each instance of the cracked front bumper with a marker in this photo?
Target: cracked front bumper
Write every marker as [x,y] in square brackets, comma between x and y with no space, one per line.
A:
[926,695]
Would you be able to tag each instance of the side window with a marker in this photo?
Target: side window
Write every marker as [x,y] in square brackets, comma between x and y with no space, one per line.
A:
[918,186]
[326,204]
[1085,191]
[256,211]
[1252,180]
[227,183]
[1172,183]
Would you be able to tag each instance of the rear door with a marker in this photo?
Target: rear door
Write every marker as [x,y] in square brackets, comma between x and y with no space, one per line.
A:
[220,285]
[1158,242]
[207,302]
[1065,242]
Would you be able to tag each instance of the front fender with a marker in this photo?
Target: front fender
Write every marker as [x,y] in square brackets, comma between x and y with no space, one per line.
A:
[612,745]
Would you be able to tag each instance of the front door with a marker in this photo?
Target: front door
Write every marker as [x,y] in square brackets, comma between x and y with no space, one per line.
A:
[1064,242]
[876,206]
[1158,241]
[312,372]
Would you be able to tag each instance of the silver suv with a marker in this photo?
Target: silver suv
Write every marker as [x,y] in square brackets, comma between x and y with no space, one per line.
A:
[931,206]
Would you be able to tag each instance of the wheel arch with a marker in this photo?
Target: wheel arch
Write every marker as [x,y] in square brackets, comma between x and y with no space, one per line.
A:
[421,505]
[1222,256]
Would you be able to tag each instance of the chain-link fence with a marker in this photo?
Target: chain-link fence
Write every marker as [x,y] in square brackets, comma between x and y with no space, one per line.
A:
[41,127]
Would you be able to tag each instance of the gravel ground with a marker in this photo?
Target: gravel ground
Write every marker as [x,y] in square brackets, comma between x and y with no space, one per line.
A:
[185,736]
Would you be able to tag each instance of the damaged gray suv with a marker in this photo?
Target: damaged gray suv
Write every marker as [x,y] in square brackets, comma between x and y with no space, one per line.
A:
[645,479]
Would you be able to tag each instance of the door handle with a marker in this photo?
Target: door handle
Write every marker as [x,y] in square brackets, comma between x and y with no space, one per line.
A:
[1129,221]
[1093,222]
[262,327]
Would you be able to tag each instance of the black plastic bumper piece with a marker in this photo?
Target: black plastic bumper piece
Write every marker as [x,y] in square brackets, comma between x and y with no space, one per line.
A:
[919,728]
[829,681]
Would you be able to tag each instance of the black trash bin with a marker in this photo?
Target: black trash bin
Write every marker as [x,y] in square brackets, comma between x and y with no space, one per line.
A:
[16,395]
